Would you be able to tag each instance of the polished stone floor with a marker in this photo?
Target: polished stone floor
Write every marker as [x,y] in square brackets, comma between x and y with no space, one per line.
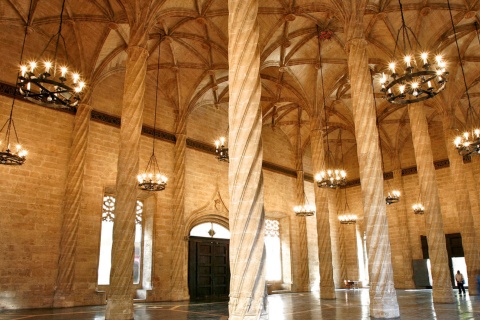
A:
[350,305]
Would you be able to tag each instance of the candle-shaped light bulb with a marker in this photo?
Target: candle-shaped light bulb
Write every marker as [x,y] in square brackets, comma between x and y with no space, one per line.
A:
[408,60]
[23,69]
[217,144]
[48,65]
[438,59]
[75,77]
[429,84]
[457,141]
[222,140]
[402,89]
[392,66]
[477,132]
[33,65]
[63,71]
[424,57]
[383,79]
[466,135]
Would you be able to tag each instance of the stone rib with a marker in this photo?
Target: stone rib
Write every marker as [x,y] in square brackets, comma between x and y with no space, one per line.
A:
[247,254]
[327,285]
[179,253]
[383,299]
[442,287]
[71,208]
[120,299]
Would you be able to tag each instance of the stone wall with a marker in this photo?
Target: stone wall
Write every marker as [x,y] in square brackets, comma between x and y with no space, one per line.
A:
[32,198]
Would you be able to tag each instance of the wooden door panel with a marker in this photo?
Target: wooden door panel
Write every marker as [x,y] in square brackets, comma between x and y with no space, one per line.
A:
[209,271]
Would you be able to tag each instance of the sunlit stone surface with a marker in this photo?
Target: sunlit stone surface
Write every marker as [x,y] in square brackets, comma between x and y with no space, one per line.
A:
[349,304]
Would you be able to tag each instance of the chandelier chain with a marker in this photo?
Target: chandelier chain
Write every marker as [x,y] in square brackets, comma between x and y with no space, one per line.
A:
[459,55]
[58,35]
[10,121]
[323,92]
[156,98]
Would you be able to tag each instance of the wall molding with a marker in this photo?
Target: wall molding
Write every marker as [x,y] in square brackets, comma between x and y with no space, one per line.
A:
[107,119]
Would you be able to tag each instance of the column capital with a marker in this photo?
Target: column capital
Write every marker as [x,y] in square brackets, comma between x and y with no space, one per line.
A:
[360,42]
[84,106]
[137,52]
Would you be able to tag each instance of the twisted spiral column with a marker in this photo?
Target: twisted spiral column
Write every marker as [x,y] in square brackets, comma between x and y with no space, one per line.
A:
[327,285]
[341,249]
[247,217]
[120,298]
[71,208]
[383,298]
[179,249]
[404,232]
[442,287]
[300,250]
[464,210]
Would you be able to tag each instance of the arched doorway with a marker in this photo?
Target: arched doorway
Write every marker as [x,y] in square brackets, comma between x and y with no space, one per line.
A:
[208,262]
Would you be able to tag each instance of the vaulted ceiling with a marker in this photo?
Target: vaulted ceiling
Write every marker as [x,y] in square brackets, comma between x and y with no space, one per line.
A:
[193,39]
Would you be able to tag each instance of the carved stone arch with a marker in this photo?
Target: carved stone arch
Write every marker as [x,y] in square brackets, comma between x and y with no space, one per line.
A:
[214,211]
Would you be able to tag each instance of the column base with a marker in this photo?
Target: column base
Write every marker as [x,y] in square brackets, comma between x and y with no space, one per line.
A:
[180,295]
[63,299]
[119,309]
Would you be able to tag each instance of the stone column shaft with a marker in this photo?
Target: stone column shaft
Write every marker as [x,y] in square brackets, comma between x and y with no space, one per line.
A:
[464,210]
[300,248]
[120,298]
[403,225]
[247,217]
[383,299]
[327,285]
[179,245]
[442,286]
[342,253]
[71,208]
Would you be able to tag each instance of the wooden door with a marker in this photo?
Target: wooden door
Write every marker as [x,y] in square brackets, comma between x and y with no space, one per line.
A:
[208,268]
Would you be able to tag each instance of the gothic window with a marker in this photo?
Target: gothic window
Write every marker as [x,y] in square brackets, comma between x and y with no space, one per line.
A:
[210,230]
[106,241]
[273,250]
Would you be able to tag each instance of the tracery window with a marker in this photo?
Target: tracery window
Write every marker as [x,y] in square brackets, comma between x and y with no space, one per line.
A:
[106,241]
[273,250]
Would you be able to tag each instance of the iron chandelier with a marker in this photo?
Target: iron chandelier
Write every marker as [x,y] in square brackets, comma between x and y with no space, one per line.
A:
[421,79]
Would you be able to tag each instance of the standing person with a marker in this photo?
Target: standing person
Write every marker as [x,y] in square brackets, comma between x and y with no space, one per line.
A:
[460,282]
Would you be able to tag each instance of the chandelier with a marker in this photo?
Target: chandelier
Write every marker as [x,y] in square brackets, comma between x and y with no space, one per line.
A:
[50,82]
[8,155]
[421,79]
[304,210]
[221,151]
[418,208]
[347,218]
[393,197]
[152,179]
[15,155]
[330,177]
[469,142]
